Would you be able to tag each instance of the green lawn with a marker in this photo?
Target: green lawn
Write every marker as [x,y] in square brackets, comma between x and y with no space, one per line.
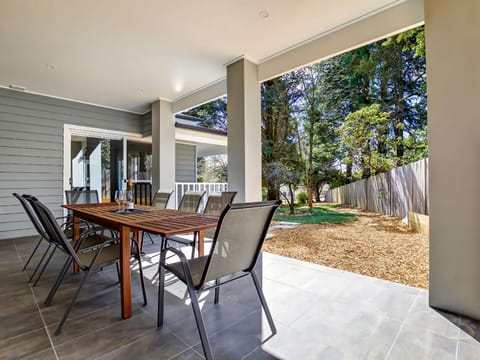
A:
[319,214]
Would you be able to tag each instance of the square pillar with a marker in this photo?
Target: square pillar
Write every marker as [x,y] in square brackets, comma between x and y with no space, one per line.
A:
[452,29]
[163,146]
[244,131]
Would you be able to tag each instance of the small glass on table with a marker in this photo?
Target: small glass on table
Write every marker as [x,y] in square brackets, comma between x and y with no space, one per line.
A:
[119,199]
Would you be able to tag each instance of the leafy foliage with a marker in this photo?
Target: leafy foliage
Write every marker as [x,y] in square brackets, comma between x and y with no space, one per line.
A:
[351,116]
[366,135]
[213,114]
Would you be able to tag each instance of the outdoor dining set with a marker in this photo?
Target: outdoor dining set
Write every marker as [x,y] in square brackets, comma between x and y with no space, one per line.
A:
[94,235]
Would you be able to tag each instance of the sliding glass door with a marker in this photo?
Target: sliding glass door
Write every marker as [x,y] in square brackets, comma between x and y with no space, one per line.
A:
[97,164]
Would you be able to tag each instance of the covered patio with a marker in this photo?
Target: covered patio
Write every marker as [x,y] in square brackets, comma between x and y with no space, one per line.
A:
[320,312]
[57,69]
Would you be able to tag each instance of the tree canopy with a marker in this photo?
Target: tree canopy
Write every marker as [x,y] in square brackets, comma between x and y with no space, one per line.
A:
[348,117]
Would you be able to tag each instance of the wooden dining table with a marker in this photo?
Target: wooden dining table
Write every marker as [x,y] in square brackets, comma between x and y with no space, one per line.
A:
[164,222]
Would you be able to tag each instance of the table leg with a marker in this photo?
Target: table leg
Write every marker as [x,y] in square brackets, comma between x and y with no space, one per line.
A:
[201,243]
[125,276]
[76,236]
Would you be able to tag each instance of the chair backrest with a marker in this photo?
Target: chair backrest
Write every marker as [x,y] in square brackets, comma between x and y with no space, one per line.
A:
[54,231]
[191,201]
[161,198]
[31,215]
[239,238]
[142,193]
[81,197]
[217,202]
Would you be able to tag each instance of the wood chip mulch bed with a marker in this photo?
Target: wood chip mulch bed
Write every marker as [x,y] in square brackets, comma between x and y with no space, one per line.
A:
[376,245]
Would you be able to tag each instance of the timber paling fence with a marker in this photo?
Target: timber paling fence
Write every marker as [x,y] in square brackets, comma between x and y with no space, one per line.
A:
[395,193]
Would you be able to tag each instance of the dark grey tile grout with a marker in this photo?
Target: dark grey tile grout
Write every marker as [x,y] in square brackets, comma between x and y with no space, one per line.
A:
[36,304]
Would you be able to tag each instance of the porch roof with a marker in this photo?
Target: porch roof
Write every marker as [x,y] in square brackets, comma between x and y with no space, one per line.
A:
[126,55]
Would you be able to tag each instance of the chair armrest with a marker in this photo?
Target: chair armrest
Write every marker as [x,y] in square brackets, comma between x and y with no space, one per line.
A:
[184,261]
[177,252]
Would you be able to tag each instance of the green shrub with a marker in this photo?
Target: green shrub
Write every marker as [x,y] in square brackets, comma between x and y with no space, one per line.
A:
[302,197]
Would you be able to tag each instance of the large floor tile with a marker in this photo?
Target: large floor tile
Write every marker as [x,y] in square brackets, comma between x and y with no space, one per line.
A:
[422,316]
[216,317]
[238,340]
[158,344]
[24,345]
[97,343]
[420,343]
[468,349]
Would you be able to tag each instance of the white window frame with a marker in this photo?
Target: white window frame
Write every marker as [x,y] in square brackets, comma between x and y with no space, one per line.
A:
[76,130]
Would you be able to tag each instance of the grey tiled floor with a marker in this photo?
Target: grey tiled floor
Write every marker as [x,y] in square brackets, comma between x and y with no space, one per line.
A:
[321,313]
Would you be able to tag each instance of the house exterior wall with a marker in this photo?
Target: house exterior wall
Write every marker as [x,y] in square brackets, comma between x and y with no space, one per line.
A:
[185,159]
[147,124]
[31,149]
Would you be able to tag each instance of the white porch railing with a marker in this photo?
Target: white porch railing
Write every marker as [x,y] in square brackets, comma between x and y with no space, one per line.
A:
[181,188]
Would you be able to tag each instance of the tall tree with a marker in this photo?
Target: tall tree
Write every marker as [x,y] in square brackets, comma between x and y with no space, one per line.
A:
[365,134]
[213,114]
[279,132]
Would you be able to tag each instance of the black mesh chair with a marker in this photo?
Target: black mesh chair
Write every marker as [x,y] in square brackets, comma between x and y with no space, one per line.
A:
[43,236]
[142,193]
[190,202]
[236,246]
[81,196]
[104,253]
[216,203]
[160,200]
[53,245]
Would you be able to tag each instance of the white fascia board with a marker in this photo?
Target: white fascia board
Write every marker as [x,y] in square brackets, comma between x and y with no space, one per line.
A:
[201,96]
[198,137]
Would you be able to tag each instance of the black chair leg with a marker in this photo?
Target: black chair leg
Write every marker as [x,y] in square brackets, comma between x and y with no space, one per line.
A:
[118,271]
[142,280]
[44,266]
[217,292]
[264,303]
[194,244]
[62,322]
[39,263]
[33,253]
[58,282]
[207,350]
[151,239]
[161,291]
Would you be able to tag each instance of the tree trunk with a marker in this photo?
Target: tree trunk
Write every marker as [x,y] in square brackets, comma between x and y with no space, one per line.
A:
[273,193]
[292,200]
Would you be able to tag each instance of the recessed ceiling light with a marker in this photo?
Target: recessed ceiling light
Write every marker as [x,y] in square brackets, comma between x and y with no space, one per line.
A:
[50,67]
[178,87]
[264,14]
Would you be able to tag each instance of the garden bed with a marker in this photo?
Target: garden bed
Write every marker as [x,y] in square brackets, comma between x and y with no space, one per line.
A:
[374,245]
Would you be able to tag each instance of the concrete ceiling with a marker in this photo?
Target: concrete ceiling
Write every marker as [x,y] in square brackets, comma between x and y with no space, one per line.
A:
[125,54]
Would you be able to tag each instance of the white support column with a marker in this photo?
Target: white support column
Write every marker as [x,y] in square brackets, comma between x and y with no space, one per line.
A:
[454,146]
[244,131]
[163,146]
